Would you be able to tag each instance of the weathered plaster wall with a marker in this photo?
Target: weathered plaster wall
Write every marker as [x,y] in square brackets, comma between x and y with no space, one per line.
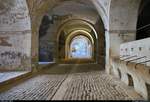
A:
[122,25]
[37,9]
[123,20]
[15,36]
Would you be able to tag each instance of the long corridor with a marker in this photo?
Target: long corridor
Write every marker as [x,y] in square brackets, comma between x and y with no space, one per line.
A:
[67,82]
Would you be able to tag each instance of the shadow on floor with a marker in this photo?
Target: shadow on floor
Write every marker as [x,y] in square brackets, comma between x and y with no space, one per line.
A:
[71,68]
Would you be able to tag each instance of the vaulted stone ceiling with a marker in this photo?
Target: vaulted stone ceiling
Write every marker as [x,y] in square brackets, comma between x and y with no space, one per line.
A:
[38,7]
[42,6]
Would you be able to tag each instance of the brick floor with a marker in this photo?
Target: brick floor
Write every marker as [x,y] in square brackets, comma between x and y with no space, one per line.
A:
[94,85]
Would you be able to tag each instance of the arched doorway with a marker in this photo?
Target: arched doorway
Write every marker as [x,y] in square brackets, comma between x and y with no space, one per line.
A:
[79,45]
[80,48]
[119,72]
[45,46]
[75,29]
[131,83]
[54,8]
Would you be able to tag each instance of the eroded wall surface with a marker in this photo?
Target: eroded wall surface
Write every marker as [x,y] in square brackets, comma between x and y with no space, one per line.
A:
[15,35]
[123,20]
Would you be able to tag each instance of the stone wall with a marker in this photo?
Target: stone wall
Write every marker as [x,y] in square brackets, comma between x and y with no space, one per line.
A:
[134,66]
[138,50]
[122,25]
[15,36]
[123,20]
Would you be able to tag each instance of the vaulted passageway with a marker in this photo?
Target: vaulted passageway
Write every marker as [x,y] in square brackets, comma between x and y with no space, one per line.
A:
[80,47]
[74,50]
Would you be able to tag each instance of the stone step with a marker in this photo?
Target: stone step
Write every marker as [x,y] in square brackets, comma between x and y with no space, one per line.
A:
[12,77]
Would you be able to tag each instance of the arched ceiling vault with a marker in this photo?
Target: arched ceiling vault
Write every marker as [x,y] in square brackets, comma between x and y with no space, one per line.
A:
[107,9]
[67,27]
[118,16]
[75,34]
[114,13]
[38,8]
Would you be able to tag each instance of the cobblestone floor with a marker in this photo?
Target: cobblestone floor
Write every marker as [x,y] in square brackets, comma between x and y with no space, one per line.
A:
[95,85]
[37,88]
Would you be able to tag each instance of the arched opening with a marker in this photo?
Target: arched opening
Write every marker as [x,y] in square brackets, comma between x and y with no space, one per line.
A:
[130,80]
[70,38]
[58,13]
[80,48]
[119,72]
[143,23]
[45,46]
[79,45]
[148,90]
[111,72]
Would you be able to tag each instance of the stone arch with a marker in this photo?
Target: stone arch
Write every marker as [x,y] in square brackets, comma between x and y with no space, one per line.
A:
[88,28]
[80,21]
[104,14]
[46,6]
[37,9]
[148,90]
[46,49]
[74,34]
[130,80]
[119,73]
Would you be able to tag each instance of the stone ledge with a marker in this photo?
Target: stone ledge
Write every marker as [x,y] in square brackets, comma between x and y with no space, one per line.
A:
[13,79]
